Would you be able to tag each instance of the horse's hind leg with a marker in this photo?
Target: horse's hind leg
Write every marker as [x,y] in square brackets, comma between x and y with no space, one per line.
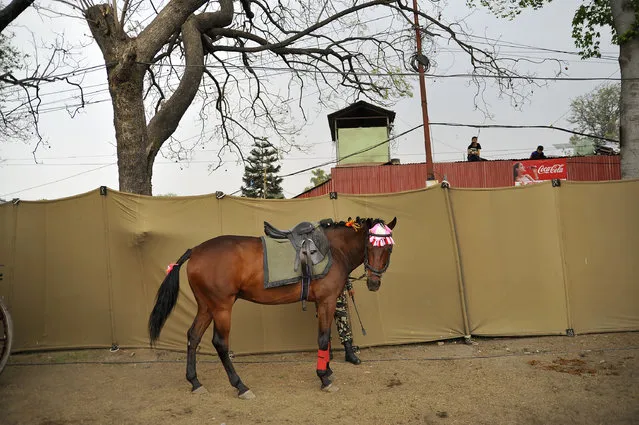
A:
[194,335]
[222,328]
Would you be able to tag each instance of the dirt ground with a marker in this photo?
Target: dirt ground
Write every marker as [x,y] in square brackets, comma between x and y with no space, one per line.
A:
[590,379]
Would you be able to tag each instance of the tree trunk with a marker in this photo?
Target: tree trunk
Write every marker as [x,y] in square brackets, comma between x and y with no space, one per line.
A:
[126,86]
[131,133]
[623,20]
[127,60]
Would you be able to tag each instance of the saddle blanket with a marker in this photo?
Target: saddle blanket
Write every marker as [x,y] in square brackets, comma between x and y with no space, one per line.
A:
[279,263]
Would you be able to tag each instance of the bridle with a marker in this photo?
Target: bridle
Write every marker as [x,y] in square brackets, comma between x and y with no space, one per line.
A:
[370,268]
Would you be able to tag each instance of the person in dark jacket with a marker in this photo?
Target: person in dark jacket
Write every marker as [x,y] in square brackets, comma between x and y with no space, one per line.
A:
[538,154]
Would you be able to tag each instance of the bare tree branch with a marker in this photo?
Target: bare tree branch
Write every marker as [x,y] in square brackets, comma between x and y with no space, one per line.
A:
[21,91]
[125,10]
[154,84]
[166,120]
[171,18]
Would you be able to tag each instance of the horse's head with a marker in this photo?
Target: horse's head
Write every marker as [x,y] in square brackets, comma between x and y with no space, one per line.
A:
[377,252]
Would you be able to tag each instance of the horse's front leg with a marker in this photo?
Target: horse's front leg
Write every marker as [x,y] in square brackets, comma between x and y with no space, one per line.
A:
[325,314]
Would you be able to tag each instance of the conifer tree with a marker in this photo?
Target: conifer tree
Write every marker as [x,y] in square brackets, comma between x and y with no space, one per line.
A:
[260,173]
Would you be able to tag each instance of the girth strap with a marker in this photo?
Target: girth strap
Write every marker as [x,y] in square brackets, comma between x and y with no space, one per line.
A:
[307,271]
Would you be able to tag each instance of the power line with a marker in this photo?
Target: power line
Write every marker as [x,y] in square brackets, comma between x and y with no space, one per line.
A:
[59,180]
[283,70]
[25,108]
[356,152]
[449,125]
[520,54]
[478,40]
[186,161]
[6,161]
[549,127]
[568,111]
[445,124]
[56,78]
[238,59]
[406,74]
[505,43]
[58,157]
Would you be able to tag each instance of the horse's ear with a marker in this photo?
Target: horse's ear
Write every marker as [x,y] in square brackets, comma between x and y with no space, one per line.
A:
[392,224]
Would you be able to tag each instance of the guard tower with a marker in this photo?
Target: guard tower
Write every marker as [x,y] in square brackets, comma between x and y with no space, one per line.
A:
[361,127]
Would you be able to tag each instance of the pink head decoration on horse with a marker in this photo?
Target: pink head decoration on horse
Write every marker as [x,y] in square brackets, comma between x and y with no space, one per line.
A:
[377,252]
[381,235]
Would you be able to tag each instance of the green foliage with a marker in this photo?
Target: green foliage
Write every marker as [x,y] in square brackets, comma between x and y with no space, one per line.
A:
[589,19]
[319,177]
[394,85]
[586,24]
[9,56]
[260,173]
[595,113]
[15,123]
[507,8]
[582,146]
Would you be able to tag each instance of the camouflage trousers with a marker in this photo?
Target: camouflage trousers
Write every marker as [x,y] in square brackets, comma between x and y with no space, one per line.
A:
[342,321]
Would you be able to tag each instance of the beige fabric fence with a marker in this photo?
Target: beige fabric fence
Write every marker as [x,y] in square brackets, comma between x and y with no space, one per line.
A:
[537,260]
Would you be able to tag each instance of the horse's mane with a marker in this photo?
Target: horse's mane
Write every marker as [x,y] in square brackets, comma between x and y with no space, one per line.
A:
[329,223]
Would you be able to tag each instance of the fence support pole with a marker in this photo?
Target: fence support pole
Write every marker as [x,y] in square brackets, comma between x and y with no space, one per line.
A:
[109,276]
[460,275]
[556,185]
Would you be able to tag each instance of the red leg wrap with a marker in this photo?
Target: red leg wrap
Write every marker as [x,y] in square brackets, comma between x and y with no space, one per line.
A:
[322,359]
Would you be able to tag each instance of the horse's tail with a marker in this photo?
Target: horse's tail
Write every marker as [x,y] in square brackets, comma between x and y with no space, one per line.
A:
[166,297]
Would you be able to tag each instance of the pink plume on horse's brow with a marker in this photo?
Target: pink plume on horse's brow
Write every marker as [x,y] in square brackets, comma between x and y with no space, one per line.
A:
[381,229]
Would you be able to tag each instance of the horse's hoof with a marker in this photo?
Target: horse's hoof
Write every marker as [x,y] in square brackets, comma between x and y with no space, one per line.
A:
[200,390]
[247,395]
[330,388]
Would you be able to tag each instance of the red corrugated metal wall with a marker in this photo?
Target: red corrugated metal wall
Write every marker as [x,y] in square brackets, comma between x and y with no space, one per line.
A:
[594,168]
[475,174]
[379,179]
[323,189]
[484,174]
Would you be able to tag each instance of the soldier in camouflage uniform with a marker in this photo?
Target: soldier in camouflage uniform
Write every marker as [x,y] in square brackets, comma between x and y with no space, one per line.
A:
[342,322]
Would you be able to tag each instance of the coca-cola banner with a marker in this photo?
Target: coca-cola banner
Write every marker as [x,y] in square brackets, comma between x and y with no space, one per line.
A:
[538,170]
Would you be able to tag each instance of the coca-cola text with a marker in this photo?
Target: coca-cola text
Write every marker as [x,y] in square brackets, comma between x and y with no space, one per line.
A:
[554,169]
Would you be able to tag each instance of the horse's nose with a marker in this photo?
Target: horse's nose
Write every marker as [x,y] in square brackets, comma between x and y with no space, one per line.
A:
[373,283]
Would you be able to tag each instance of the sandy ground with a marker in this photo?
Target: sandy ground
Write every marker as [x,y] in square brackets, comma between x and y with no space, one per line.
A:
[590,379]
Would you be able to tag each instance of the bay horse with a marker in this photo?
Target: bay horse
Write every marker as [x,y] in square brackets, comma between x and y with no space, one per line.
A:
[229,267]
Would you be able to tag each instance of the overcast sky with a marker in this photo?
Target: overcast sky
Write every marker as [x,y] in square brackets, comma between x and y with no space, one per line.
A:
[81,151]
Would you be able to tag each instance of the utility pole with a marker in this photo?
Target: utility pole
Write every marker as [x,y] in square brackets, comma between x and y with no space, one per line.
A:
[422,88]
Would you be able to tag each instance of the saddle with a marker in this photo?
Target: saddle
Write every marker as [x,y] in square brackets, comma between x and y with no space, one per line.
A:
[307,238]
[311,247]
